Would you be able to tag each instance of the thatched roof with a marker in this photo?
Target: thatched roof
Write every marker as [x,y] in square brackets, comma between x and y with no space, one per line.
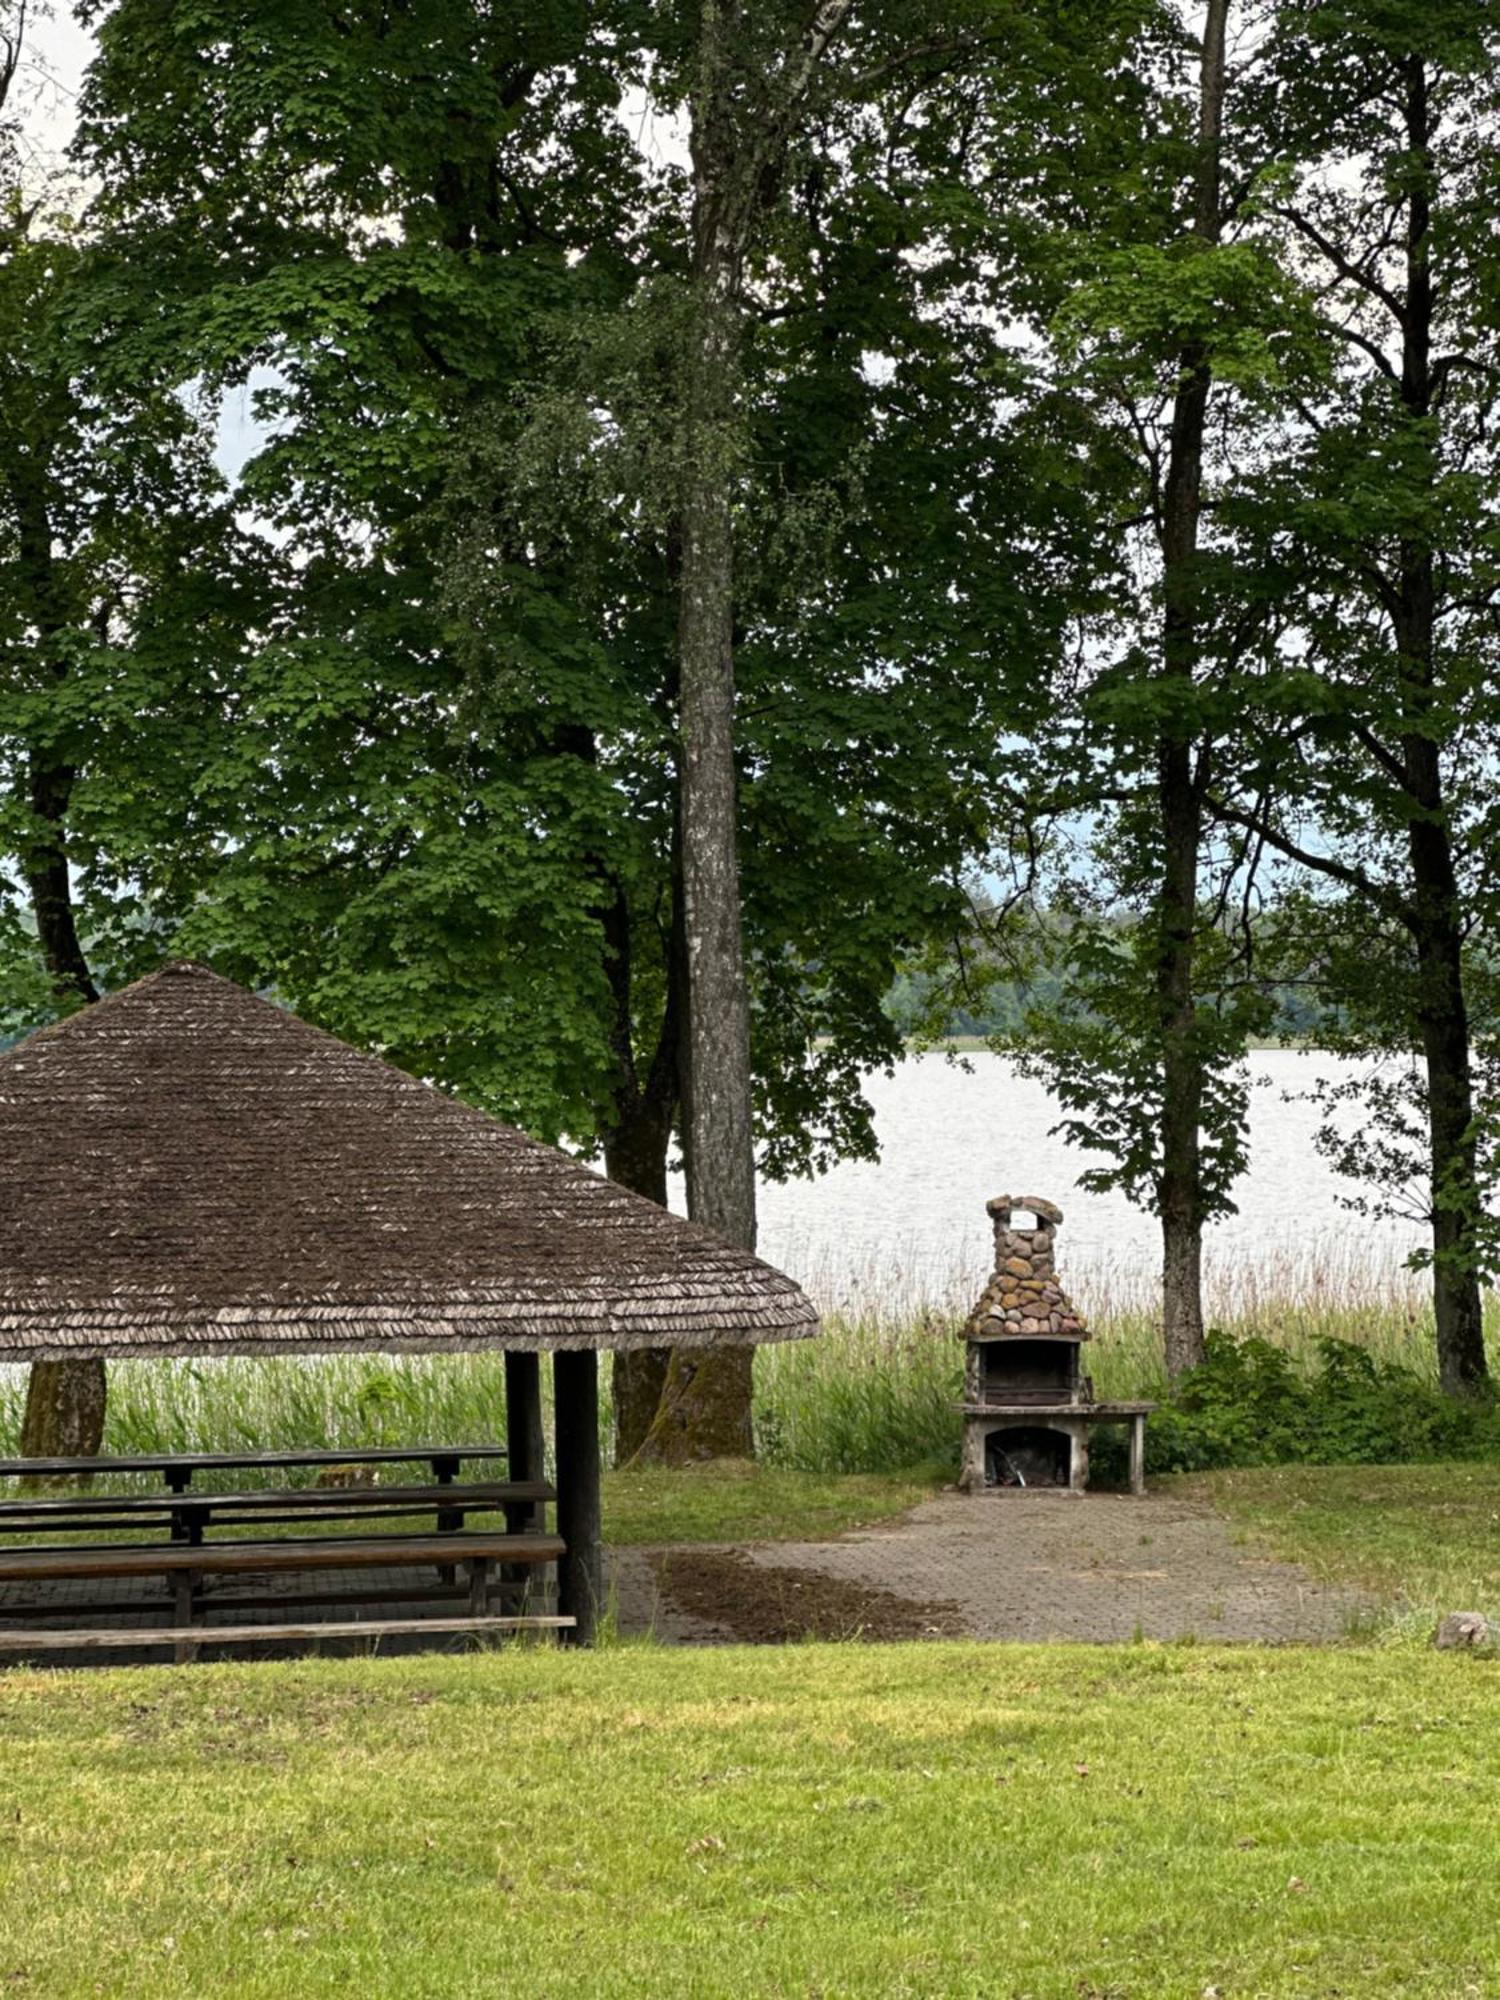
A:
[186,1169]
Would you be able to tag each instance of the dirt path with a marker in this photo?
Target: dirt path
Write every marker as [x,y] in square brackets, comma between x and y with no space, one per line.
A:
[1002,1566]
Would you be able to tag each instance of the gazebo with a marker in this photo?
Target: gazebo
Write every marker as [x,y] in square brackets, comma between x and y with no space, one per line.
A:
[188,1170]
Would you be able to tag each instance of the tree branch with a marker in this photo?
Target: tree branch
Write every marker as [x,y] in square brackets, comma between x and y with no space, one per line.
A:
[1355,273]
[1390,764]
[1366,346]
[958,45]
[1319,864]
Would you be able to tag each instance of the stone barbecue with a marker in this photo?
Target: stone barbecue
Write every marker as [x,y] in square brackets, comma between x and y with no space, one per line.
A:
[1028,1406]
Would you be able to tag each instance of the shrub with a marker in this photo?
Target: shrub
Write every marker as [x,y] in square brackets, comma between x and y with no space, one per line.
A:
[1250,1404]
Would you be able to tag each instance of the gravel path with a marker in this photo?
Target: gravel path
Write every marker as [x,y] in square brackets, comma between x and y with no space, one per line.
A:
[1013,1566]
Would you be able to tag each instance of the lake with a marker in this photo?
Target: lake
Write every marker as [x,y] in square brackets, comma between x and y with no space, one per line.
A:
[912,1227]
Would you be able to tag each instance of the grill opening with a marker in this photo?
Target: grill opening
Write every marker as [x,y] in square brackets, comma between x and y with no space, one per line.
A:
[1027,1455]
[1029,1371]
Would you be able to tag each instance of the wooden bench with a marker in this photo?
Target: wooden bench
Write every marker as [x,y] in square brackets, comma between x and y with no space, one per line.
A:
[185,1516]
[186,1643]
[186,1565]
[178,1467]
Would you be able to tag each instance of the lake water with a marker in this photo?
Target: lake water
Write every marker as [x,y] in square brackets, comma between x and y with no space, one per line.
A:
[912,1227]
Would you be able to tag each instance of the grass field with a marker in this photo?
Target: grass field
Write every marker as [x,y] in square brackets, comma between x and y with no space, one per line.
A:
[1428,1535]
[737,1501]
[934,1820]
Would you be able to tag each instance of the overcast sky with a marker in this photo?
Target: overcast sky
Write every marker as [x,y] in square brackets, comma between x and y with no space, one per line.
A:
[57,49]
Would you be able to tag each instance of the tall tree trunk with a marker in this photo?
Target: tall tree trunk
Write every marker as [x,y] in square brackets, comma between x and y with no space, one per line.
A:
[1180,787]
[64,1415]
[721,1152]
[1456,1204]
[744,111]
[704,1410]
[64,1399]
[1436,916]
[44,864]
[635,1151]
[635,1155]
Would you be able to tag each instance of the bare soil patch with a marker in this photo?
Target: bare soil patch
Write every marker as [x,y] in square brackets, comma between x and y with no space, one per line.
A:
[767,1605]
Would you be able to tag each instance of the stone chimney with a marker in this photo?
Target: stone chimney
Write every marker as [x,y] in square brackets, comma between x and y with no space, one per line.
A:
[1024,1300]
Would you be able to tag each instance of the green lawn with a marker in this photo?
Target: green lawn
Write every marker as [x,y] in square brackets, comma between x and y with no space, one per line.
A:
[728,1501]
[737,1501]
[1426,1534]
[924,1820]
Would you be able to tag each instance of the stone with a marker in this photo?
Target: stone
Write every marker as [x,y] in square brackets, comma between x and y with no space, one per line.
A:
[1461,1628]
[1017,1267]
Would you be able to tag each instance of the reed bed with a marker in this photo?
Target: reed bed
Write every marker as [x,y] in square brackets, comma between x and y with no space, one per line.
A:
[287,1402]
[874,1394]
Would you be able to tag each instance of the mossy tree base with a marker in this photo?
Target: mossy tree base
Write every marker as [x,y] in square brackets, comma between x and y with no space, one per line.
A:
[704,1411]
[639,1376]
[64,1410]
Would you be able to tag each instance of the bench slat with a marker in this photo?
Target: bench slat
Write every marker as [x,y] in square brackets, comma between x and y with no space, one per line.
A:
[208,1461]
[296,1552]
[323,1499]
[233,1635]
[254,1524]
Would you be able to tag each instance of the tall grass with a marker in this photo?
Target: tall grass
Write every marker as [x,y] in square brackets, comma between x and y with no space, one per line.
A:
[287,1403]
[874,1394]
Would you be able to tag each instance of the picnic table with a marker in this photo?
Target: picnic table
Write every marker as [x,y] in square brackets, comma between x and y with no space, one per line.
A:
[177,1469]
[188,1558]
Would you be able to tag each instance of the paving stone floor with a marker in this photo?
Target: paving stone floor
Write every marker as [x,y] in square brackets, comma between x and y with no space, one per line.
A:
[1012,1565]
[1047,1566]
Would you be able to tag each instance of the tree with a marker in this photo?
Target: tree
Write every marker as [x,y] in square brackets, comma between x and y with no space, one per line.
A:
[1176,322]
[448,813]
[1183,770]
[783,103]
[1370,742]
[122,585]
[751,74]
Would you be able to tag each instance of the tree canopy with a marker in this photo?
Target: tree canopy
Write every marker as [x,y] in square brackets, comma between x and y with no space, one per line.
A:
[746,503]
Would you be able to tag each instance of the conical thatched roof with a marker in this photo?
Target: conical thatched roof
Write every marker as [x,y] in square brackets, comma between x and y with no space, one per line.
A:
[186,1169]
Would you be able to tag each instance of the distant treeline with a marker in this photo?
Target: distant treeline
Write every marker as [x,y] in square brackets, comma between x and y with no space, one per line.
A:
[1006,1005]
[936,1003]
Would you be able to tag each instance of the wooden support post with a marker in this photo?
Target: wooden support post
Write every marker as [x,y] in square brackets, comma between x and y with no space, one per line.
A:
[1137,1454]
[524,1442]
[525,1449]
[479,1587]
[183,1585]
[575,1394]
